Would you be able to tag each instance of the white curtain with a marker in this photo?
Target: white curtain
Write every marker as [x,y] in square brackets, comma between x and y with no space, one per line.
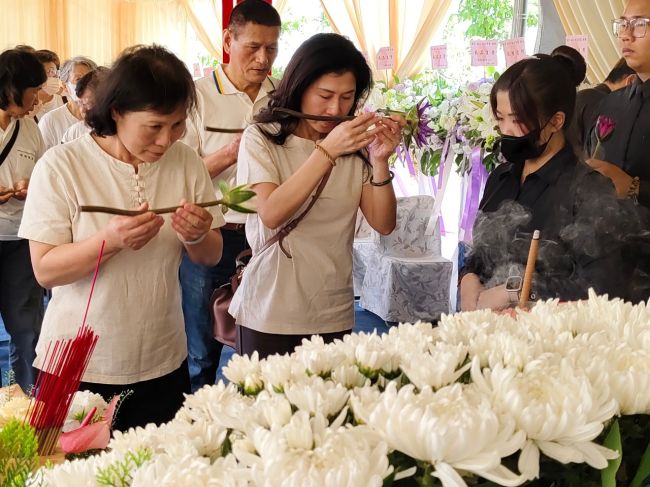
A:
[593,18]
[407,26]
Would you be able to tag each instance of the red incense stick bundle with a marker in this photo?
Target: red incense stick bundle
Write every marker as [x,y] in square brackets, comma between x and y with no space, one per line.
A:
[63,368]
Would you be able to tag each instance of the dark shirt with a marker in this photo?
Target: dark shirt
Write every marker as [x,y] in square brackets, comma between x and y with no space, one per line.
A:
[572,206]
[586,113]
[629,148]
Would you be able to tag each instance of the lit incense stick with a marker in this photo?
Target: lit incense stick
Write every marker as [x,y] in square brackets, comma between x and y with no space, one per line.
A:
[530,270]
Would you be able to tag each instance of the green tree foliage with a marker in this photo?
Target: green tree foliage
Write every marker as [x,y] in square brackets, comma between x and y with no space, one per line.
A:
[490,19]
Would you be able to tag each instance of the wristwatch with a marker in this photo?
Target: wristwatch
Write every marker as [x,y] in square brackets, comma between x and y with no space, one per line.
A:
[513,288]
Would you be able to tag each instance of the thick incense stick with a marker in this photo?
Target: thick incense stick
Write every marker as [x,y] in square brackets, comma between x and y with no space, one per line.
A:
[223,131]
[328,118]
[530,270]
[157,211]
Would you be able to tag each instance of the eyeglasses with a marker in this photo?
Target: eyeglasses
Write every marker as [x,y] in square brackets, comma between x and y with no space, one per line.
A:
[52,72]
[636,26]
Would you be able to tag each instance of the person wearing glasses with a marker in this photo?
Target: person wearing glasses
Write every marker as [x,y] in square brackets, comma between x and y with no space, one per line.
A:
[48,97]
[623,157]
[54,124]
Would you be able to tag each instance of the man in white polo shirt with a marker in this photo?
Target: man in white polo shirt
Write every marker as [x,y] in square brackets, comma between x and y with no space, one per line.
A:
[226,103]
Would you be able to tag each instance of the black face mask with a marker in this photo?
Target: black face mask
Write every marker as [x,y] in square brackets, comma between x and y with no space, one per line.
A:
[519,149]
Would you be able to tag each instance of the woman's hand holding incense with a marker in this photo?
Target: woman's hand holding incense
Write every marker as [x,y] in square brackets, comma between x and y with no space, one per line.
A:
[348,137]
[132,232]
[191,222]
[388,137]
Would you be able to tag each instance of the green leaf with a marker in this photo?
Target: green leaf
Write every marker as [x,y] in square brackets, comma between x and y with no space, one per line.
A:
[236,197]
[643,473]
[223,186]
[240,209]
[613,442]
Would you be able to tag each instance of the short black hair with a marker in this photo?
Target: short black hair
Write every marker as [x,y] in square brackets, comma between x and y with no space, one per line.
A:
[90,80]
[19,70]
[619,71]
[143,78]
[253,11]
[47,56]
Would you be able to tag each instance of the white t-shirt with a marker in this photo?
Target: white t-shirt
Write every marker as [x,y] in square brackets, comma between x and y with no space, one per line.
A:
[136,307]
[54,124]
[75,131]
[311,292]
[18,165]
[221,105]
[48,106]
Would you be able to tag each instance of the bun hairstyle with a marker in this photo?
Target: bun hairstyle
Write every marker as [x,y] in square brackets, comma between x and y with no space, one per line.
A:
[541,86]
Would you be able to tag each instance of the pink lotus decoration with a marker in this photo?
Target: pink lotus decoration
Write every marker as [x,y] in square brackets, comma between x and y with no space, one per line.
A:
[90,436]
[604,128]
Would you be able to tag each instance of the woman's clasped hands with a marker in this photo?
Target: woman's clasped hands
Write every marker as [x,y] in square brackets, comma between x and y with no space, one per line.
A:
[190,222]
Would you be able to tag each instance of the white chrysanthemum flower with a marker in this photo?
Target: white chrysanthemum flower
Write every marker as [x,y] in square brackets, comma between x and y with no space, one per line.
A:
[83,402]
[409,338]
[280,370]
[349,377]
[453,429]
[308,452]
[169,471]
[77,473]
[317,357]
[377,356]
[274,409]
[620,369]
[440,367]
[219,404]
[316,395]
[245,371]
[555,406]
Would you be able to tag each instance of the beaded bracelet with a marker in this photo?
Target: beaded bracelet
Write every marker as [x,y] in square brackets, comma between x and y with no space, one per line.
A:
[326,154]
[384,183]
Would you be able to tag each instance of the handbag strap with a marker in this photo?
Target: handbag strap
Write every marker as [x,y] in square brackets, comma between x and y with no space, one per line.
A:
[286,230]
[10,144]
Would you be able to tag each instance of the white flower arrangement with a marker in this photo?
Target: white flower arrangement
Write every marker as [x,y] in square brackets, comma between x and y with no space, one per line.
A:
[497,397]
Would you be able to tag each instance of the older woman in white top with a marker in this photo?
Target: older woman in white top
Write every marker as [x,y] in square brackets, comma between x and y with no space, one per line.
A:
[285,297]
[130,160]
[54,124]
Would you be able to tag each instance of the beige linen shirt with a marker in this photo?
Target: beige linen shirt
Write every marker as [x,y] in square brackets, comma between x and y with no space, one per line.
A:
[19,164]
[136,307]
[312,292]
[221,105]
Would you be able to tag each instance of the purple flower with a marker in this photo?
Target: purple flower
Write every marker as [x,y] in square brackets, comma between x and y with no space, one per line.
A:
[604,127]
[423,131]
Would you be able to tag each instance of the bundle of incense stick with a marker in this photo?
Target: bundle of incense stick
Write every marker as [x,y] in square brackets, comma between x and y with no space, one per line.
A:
[64,366]
[223,131]
[327,118]
[524,297]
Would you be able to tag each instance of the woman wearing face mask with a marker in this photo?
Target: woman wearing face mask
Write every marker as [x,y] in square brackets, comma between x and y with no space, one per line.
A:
[48,97]
[130,160]
[54,124]
[542,187]
[302,285]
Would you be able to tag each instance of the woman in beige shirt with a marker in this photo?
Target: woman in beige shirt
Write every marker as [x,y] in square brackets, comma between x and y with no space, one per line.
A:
[308,290]
[131,159]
